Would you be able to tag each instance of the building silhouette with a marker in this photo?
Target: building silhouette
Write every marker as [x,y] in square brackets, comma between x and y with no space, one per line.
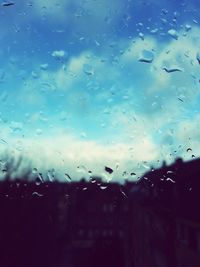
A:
[152,222]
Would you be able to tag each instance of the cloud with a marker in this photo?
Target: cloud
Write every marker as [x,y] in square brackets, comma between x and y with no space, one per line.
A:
[147,113]
[77,15]
[67,154]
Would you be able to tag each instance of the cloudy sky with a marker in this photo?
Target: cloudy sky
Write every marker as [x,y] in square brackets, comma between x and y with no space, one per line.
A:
[95,83]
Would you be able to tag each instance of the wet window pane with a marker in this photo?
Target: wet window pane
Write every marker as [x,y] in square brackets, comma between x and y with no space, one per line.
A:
[99,133]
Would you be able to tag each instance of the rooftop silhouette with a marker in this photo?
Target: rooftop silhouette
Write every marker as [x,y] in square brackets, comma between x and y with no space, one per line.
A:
[152,222]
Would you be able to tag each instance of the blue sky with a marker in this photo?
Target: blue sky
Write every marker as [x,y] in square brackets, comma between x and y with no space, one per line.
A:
[99,83]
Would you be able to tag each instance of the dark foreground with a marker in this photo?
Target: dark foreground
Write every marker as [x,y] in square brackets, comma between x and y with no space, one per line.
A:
[152,223]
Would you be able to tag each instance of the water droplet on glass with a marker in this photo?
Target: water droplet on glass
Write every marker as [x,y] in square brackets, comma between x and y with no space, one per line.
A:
[170,172]
[195,21]
[141,35]
[172,69]
[16,126]
[188,27]
[81,168]
[37,194]
[6,4]
[109,170]
[88,69]
[83,135]
[154,31]
[123,193]
[34,75]
[39,179]
[44,66]
[170,180]
[38,131]
[97,43]
[173,33]
[34,171]
[50,175]
[103,187]
[147,56]
[198,57]
[59,54]
[68,177]
[164,11]
[3,141]
[133,173]
[164,21]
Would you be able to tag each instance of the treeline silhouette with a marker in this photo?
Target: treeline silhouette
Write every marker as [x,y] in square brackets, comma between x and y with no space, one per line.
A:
[152,222]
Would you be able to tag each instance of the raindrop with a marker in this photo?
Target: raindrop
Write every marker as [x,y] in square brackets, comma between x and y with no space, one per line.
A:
[145,166]
[123,193]
[103,187]
[81,168]
[34,75]
[188,27]
[180,99]
[38,131]
[154,31]
[83,135]
[39,179]
[50,176]
[109,170]
[164,11]
[164,21]
[16,126]
[198,57]
[88,69]
[67,176]
[170,180]
[195,21]
[174,69]
[44,66]
[58,54]
[133,173]
[173,33]
[7,4]
[141,35]
[3,141]
[146,57]
[37,194]
[168,172]
[189,149]
[35,170]
[97,43]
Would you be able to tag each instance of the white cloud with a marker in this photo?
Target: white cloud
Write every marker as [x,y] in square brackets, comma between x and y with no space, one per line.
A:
[65,153]
[54,9]
[153,124]
[77,15]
